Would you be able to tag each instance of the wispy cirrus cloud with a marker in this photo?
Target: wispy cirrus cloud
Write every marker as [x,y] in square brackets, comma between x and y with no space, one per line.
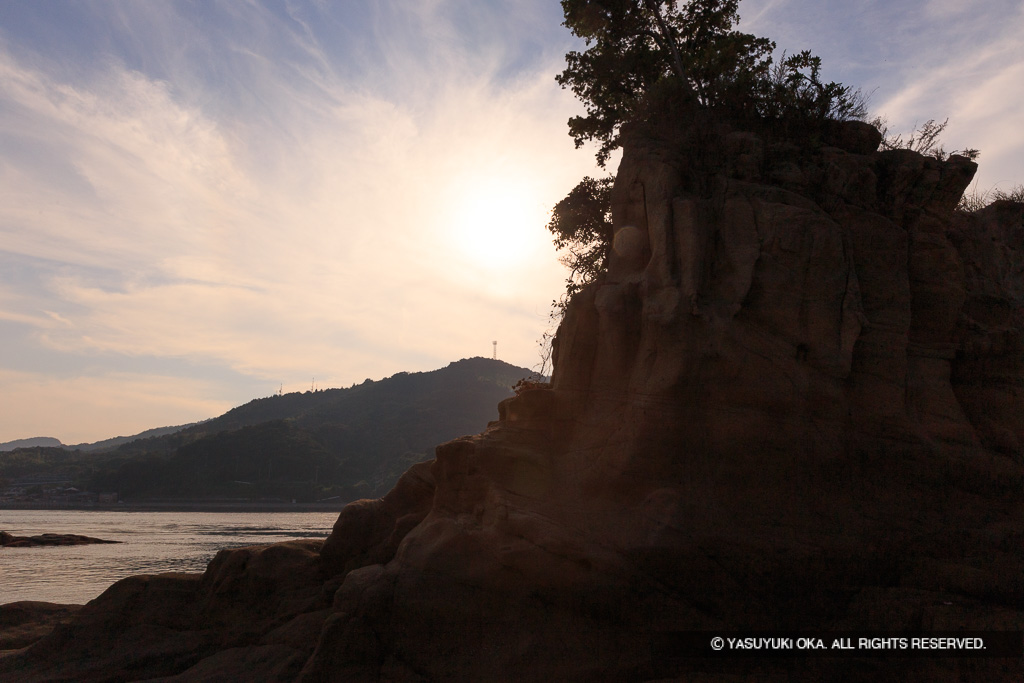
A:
[920,60]
[234,196]
[975,61]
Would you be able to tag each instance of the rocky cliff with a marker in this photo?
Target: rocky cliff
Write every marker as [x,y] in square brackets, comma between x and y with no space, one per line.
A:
[794,402]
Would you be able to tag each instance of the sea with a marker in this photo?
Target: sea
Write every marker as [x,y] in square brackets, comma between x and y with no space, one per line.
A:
[151,543]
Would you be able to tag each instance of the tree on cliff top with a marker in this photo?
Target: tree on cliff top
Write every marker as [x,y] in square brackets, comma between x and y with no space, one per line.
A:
[640,50]
[643,53]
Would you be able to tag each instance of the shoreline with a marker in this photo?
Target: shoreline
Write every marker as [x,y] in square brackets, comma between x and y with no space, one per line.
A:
[183,506]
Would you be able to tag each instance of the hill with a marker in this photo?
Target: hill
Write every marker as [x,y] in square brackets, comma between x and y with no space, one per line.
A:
[34,442]
[108,444]
[330,444]
[99,446]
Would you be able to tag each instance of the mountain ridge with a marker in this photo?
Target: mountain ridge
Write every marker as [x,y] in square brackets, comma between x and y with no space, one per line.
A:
[305,446]
[118,441]
[31,442]
[112,442]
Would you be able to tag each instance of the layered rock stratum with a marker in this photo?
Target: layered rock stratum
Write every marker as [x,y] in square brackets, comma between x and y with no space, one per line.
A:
[793,402]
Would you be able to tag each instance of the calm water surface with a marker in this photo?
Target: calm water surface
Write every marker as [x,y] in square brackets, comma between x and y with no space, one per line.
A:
[152,542]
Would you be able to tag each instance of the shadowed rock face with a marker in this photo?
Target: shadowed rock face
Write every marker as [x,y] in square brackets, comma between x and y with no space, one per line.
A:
[257,608]
[770,414]
[23,623]
[793,402]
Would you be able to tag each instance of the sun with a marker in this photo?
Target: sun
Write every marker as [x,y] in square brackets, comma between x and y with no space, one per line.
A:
[498,222]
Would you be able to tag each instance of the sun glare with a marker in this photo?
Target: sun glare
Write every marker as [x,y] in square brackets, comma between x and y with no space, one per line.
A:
[499,224]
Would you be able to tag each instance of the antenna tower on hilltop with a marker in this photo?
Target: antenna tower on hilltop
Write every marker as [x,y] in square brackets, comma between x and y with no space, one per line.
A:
[495,350]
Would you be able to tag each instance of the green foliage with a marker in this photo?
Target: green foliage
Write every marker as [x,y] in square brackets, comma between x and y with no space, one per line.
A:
[1016,194]
[796,92]
[923,140]
[582,226]
[976,200]
[26,461]
[647,59]
[640,52]
[268,459]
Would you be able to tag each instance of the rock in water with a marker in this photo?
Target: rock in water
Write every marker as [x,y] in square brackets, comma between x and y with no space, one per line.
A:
[8,540]
[793,402]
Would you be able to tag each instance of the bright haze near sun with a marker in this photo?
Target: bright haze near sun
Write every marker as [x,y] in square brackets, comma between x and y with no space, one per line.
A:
[201,203]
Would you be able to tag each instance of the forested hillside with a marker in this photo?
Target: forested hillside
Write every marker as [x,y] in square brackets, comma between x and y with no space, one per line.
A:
[309,446]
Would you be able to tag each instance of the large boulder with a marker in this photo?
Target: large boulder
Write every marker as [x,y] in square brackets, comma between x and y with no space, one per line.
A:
[23,623]
[369,531]
[257,604]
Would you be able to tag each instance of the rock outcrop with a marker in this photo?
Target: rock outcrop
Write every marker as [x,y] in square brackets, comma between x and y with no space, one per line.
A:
[23,623]
[255,609]
[793,402]
[8,540]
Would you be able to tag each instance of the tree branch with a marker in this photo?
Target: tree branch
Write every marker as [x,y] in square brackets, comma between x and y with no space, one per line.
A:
[668,43]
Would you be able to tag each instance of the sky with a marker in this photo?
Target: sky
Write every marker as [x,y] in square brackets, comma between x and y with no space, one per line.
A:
[204,202]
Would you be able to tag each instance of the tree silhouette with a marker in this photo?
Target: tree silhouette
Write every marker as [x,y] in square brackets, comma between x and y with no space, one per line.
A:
[582,225]
[645,57]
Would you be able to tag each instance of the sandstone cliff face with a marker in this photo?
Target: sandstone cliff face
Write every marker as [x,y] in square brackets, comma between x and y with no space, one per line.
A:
[783,407]
[987,371]
[793,402]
